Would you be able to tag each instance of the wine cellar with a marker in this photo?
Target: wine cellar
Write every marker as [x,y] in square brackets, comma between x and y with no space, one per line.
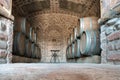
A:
[59,39]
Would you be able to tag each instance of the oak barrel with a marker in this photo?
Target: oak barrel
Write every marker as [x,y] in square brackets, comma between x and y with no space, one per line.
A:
[90,43]
[32,34]
[75,33]
[37,52]
[88,23]
[28,44]
[28,29]
[33,50]
[20,24]
[68,52]
[77,48]
[19,44]
[71,38]
[35,38]
[73,51]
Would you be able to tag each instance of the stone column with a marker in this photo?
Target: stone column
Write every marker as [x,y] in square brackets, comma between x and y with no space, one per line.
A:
[6,40]
[110,41]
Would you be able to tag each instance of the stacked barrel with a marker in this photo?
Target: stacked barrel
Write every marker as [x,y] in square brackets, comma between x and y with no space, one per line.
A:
[25,39]
[85,39]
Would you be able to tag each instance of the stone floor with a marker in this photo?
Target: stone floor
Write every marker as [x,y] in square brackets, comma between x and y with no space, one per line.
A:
[69,71]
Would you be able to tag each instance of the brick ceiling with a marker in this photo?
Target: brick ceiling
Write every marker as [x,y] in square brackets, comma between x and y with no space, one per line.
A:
[73,7]
[56,15]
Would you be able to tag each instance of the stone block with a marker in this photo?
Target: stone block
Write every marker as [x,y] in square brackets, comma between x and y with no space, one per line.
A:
[103,46]
[3,27]
[103,57]
[3,44]
[111,46]
[117,44]
[103,60]
[9,57]
[3,37]
[115,35]
[111,21]
[109,14]
[3,54]
[113,56]
[109,30]
[2,60]
[117,25]
[102,21]
[117,22]
[103,37]
[102,28]
[103,54]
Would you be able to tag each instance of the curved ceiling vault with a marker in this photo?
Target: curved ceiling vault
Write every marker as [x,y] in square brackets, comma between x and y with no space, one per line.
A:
[56,13]
[73,7]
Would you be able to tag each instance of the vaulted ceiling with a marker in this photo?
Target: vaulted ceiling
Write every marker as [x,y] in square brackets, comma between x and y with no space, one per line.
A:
[72,7]
[34,10]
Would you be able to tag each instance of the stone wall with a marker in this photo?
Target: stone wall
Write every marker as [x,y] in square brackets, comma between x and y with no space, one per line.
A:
[6,40]
[110,41]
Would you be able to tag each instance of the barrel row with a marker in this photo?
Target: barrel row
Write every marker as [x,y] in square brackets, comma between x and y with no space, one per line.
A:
[22,46]
[23,26]
[85,39]
[25,39]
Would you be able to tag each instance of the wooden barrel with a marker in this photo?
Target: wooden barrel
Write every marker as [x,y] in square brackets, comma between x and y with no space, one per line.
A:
[71,38]
[75,33]
[20,24]
[28,44]
[90,43]
[35,38]
[77,48]
[28,29]
[33,50]
[73,52]
[36,35]
[38,52]
[32,34]
[107,5]
[68,52]
[19,44]
[88,23]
